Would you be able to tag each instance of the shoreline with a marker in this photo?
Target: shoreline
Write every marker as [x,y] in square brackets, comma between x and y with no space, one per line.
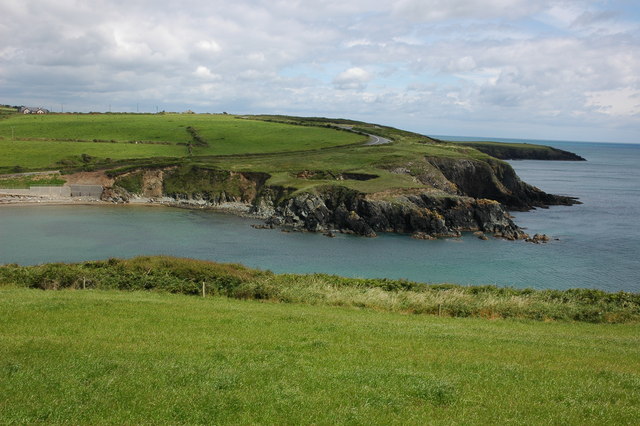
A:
[31,201]
[228,208]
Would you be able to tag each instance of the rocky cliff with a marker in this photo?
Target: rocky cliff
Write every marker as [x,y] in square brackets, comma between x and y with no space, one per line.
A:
[495,180]
[505,151]
[458,195]
[421,214]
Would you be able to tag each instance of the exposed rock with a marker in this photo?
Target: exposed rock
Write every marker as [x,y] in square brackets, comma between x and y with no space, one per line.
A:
[495,180]
[524,152]
[422,236]
[152,183]
[473,200]
[538,238]
[115,195]
[262,226]
[350,211]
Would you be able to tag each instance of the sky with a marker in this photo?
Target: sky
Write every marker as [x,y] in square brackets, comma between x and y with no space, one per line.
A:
[535,69]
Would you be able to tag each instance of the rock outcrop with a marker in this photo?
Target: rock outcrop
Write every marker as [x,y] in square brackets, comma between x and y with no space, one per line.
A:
[459,195]
[505,151]
[336,208]
[495,180]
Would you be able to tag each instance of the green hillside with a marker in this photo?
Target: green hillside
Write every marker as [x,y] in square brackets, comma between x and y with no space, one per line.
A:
[281,146]
[6,111]
[54,140]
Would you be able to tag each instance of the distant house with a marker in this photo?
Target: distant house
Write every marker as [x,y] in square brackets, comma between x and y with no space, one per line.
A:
[33,110]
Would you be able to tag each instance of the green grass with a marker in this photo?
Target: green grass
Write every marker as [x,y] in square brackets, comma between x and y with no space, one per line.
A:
[116,127]
[39,155]
[96,357]
[224,134]
[186,276]
[34,180]
[240,136]
[280,146]
[6,111]
[376,160]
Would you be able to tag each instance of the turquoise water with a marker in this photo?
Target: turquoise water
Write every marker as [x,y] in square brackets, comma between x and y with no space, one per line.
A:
[598,247]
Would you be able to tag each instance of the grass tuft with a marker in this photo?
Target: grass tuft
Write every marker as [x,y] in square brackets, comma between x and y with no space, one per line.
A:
[188,276]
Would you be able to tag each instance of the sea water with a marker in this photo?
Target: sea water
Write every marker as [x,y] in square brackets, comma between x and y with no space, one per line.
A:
[596,244]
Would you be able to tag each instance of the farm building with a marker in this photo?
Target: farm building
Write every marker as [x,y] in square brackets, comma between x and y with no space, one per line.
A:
[32,110]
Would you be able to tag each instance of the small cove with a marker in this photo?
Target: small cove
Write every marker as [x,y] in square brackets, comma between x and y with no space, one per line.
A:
[598,244]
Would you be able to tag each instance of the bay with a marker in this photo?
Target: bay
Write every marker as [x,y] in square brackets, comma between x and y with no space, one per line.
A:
[598,243]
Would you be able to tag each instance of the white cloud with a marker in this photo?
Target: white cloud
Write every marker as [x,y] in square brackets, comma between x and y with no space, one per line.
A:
[462,64]
[352,79]
[619,102]
[205,73]
[566,63]
[438,10]
[209,46]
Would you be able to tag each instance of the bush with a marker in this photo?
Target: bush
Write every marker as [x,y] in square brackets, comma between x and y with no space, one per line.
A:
[186,276]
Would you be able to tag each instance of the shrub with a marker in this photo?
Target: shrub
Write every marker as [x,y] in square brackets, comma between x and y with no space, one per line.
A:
[186,276]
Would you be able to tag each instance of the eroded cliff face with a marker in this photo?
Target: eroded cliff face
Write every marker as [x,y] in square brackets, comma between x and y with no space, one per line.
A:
[420,214]
[188,187]
[495,180]
[460,195]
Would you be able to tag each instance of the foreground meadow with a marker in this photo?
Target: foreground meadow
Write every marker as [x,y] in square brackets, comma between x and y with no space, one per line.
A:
[96,356]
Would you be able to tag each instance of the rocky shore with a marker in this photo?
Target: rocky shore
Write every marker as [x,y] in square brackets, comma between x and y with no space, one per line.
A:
[422,215]
[504,151]
[467,195]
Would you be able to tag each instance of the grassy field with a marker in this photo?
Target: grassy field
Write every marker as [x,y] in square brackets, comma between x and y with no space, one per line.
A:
[95,357]
[280,146]
[41,141]
[40,155]
[31,180]
[6,111]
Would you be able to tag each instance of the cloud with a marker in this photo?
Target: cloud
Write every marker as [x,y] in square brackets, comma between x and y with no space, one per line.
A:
[438,10]
[565,63]
[352,79]
[209,46]
[620,102]
[205,73]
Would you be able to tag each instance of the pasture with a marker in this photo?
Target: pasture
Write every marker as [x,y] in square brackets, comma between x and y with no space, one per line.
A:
[88,357]
[42,141]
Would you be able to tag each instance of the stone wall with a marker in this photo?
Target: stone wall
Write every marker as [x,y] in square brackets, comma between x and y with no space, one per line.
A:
[66,191]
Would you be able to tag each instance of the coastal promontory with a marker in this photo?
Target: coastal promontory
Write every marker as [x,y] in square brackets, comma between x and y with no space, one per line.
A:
[311,174]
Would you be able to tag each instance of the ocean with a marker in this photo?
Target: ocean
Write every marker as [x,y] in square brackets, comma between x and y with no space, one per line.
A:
[595,244]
